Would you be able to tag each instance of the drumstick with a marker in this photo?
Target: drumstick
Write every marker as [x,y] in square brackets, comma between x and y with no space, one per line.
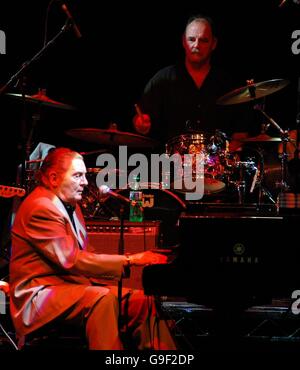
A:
[139,112]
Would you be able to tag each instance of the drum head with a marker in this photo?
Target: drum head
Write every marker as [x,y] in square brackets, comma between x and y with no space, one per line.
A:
[212,186]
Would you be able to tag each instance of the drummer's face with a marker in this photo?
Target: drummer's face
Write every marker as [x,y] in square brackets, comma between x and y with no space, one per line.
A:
[199,42]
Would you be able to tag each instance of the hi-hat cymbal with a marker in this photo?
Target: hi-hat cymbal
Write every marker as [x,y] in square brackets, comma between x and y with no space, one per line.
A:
[252,91]
[261,138]
[112,137]
[42,99]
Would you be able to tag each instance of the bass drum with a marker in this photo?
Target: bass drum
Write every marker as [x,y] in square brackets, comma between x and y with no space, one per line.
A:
[159,205]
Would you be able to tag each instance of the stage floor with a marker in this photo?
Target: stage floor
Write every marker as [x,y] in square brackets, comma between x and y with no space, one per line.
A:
[267,328]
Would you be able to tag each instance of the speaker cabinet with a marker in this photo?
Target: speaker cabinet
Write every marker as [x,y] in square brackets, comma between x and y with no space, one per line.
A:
[104,238]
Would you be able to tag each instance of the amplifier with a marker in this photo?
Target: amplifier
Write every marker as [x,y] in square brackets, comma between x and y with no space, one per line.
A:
[104,238]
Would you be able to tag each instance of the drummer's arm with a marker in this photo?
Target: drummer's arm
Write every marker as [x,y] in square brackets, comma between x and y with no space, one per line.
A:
[237,140]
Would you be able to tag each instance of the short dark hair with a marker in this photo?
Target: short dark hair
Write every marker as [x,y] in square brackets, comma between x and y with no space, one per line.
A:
[206,18]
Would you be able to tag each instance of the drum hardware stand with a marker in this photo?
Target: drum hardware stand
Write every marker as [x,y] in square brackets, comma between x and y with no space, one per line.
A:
[165,182]
[36,118]
[283,185]
[240,185]
[262,191]
[294,164]
[284,134]
[121,251]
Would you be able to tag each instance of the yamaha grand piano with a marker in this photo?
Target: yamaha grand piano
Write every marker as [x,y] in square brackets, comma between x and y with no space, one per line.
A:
[231,256]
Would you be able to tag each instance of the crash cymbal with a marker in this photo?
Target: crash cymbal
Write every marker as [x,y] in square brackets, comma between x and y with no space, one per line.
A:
[261,138]
[112,137]
[252,91]
[42,99]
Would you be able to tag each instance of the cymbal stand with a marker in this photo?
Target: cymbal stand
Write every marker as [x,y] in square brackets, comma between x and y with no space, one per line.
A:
[283,185]
[262,190]
[284,134]
[27,178]
[121,251]
[241,185]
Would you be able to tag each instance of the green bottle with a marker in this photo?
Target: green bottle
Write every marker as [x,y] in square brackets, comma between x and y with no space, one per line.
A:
[136,213]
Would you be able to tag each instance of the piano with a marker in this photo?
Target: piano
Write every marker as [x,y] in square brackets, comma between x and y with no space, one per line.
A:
[239,257]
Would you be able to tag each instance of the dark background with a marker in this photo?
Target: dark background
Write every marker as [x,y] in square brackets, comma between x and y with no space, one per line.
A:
[123,45]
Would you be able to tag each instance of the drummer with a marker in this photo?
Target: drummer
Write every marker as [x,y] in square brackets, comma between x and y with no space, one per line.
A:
[182,98]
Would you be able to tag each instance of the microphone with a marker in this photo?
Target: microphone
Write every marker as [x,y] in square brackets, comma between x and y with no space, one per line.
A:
[71,19]
[104,189]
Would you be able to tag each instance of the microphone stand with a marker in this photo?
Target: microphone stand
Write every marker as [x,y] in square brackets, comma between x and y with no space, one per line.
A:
[26,64]
[27,142]
[121,252]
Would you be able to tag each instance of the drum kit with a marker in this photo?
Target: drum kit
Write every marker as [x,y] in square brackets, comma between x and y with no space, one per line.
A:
[237,176]
[225,172]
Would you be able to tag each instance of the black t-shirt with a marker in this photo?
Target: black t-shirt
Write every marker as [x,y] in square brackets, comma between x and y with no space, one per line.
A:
[177,106]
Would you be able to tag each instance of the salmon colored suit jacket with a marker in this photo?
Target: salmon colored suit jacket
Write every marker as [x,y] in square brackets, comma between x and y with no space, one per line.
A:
[50,266]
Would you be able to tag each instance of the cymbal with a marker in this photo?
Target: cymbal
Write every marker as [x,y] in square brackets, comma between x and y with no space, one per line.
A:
[42,99]
[112,137]
[252,92]
[261,138]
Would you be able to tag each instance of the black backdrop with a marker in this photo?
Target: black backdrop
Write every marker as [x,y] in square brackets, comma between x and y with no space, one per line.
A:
[123,44]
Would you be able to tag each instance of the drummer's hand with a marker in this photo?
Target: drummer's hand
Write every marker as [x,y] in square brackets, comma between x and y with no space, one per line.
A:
[142,123]
[146,258]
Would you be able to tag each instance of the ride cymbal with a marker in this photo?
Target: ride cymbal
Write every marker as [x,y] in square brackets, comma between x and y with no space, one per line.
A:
[252,92]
